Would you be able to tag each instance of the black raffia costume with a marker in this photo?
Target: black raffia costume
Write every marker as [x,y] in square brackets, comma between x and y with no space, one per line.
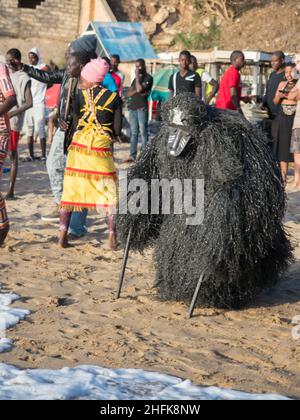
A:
[241,247]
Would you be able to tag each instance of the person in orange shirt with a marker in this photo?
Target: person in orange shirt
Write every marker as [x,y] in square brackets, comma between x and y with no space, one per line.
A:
[7,102]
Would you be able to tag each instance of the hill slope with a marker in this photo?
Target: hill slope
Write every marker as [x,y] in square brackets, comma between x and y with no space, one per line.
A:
[258,24]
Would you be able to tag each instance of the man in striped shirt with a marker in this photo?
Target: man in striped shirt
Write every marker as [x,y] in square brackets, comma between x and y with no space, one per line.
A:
[7,102]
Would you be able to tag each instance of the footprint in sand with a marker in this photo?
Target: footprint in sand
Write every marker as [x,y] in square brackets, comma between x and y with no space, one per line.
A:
[57,301]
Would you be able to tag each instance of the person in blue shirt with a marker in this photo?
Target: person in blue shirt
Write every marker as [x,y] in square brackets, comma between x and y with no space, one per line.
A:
[109,82]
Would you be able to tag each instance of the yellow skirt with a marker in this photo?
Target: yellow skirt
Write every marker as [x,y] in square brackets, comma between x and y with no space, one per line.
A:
[90,176]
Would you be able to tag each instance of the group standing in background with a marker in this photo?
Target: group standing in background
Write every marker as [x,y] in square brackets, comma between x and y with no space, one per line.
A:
[31,83]
[282,103]
[89,114]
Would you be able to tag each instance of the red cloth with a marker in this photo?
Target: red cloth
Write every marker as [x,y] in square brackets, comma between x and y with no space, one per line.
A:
[231,78]
[52,96]
[14,141]
[118,81]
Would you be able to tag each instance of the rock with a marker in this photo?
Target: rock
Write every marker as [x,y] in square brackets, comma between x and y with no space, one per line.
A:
[150,27]
[136,3]
[173,18]
[163,40]
[207,22]
[151,9]
[171,31]
[171,9]
[218,21]
[161,16]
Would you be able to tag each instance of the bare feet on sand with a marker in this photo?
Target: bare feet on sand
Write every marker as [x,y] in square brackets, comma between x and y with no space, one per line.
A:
[112,242]
[63,239]
[10,196]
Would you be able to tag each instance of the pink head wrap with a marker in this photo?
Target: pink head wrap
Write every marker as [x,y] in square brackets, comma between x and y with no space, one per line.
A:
[95,70]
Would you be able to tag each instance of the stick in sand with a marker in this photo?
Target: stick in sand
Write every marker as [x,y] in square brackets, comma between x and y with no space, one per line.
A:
[124,263]
[195,297]
[68,102]
[122,274]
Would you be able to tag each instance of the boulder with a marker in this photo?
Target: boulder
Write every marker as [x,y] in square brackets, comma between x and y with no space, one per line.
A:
[173,18]
[161,16]
[150,27]
[171,9]
[208,21]
[163,40]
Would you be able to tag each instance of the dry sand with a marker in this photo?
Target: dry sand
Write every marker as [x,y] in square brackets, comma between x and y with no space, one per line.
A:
[76,320]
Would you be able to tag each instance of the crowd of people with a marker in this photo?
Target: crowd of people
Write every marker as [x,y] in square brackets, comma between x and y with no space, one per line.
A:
[281,100]
[89,102]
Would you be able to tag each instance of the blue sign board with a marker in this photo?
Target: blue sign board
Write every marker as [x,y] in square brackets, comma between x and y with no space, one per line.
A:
[126,39]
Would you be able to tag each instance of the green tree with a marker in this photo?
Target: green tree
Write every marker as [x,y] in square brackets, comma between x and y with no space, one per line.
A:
[199,41]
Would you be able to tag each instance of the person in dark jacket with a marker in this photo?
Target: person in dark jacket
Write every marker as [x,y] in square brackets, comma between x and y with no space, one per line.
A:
[78,54]
[276,77]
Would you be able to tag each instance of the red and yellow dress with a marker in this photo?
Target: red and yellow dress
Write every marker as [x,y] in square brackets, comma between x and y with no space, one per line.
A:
[90,180]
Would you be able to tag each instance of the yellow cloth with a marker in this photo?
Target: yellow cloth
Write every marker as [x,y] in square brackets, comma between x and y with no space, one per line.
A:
[208,86]
[90,176]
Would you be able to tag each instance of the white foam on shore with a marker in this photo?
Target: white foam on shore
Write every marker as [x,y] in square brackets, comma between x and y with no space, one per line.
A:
[96,383]
[5,345]
[9,317]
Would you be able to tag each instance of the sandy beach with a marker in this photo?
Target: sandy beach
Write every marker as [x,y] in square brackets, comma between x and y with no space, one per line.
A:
[75,319]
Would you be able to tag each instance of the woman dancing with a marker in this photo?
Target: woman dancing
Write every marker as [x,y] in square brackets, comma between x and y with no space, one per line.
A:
[90,176]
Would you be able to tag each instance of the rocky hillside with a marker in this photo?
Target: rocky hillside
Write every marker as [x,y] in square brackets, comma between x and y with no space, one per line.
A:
[226,24]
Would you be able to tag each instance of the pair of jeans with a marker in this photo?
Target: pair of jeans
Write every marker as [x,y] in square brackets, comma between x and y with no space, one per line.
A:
[138,120]
[56,163]
[78,223]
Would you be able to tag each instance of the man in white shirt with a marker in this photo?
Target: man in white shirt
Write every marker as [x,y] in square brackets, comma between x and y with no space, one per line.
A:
[210,86]
[36,116]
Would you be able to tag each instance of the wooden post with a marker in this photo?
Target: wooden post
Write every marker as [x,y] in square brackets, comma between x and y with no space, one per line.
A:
[92,10]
